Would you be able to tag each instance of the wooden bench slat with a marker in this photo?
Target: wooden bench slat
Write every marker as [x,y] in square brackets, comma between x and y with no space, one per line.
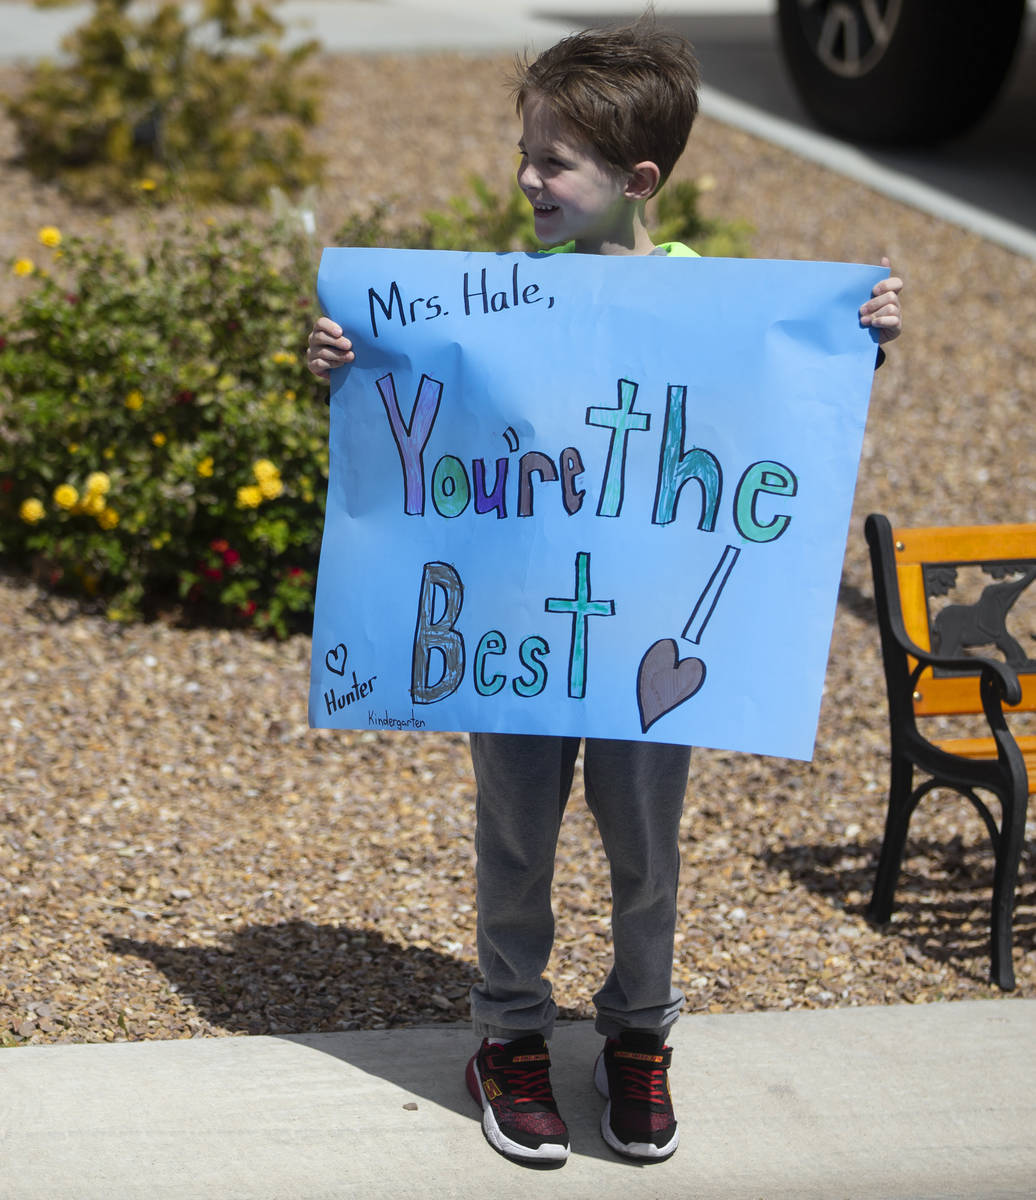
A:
[986,748]
[956,694]
[963,543]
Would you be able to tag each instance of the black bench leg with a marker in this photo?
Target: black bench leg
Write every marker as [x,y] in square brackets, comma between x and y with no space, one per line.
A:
[1008,854]
[897,820]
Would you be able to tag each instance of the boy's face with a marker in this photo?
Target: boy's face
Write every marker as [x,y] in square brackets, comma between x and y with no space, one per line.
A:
[575,194]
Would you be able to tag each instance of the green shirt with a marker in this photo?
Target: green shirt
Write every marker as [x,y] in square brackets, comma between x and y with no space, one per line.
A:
[673,249]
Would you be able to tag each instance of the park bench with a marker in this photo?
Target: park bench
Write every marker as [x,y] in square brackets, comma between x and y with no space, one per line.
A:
[926,639]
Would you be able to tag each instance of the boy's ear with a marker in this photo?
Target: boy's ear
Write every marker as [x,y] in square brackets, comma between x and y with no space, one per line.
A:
[643,181]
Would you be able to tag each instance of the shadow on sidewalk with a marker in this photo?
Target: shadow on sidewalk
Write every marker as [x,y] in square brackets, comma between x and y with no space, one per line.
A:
[429,1063]
[312,984]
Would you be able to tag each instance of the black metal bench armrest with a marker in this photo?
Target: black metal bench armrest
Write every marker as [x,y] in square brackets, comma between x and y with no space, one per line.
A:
[1003,679]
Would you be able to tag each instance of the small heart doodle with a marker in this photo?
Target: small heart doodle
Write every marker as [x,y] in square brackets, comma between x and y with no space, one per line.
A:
[665,681]
[335,659]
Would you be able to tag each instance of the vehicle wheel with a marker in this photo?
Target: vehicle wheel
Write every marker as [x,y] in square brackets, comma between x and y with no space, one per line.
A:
[898,71]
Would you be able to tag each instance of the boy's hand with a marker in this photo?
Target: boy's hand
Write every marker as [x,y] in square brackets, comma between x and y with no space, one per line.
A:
[882,312]
[328,347]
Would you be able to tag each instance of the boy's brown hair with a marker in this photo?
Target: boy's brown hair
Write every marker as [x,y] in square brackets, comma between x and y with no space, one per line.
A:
[630,91]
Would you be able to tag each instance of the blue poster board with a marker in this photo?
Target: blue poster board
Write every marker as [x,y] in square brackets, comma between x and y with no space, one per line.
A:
[586,495]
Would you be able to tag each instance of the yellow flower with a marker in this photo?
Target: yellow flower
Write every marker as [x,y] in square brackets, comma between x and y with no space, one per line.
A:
[50,236]
[205,467]
[146,185]
[285,356]
[31,511]
[65,496]
[264,469]
[271,487]
[108,453]
[92,504]
[161,539]
[159,439]
[249,497]
[134,400]
[73,447]
[289,395]
[107,518]
[98,483]
[24,266]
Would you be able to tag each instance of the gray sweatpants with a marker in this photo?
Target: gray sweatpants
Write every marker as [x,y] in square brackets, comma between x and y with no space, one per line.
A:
[635,791]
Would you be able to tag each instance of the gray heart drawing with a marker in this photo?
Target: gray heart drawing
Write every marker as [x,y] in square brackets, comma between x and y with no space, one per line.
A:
[332,658]
[665,681]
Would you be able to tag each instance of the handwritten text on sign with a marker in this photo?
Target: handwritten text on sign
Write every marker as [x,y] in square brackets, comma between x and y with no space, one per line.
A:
[588,496]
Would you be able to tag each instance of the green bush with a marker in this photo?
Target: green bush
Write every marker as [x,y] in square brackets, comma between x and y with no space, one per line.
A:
[677,219]
[489,222]
[160,436]
[161,441]
[195,100]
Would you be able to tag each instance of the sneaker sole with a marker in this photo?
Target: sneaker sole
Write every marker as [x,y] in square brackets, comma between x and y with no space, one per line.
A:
[548,1154]
[642,1151]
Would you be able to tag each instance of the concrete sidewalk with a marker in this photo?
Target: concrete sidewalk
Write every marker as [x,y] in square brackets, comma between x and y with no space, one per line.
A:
[926,1101]
[347,26]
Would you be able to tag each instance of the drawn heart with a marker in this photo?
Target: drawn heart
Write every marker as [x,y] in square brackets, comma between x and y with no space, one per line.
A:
[335,659]
[665,681]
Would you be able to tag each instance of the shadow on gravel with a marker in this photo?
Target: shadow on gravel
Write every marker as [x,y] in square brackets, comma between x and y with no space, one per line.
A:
[942,898]
[860,604]
[299,977]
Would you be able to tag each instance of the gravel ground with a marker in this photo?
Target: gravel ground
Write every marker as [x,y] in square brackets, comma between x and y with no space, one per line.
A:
[181,856]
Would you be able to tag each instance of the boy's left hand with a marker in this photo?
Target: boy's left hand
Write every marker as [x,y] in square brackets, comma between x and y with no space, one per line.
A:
[882,311]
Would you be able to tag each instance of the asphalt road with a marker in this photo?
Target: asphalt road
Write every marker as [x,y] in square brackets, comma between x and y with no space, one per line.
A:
[993,167]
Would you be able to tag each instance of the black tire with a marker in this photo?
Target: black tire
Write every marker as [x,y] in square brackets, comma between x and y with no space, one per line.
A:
[933,74]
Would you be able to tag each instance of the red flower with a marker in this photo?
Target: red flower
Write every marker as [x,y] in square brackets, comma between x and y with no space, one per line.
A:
[212,572]
[296,573]
[220,545]
[231,557]
[71,297]
[248,608]
[185,397]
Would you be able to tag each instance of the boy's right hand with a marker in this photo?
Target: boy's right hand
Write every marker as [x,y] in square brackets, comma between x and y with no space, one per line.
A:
[328,347]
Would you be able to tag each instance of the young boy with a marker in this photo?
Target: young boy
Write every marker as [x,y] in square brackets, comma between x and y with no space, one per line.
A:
[605,116]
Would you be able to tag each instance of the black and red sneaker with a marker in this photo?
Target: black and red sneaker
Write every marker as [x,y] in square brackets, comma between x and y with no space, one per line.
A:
[638,1121]
[511,1083]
